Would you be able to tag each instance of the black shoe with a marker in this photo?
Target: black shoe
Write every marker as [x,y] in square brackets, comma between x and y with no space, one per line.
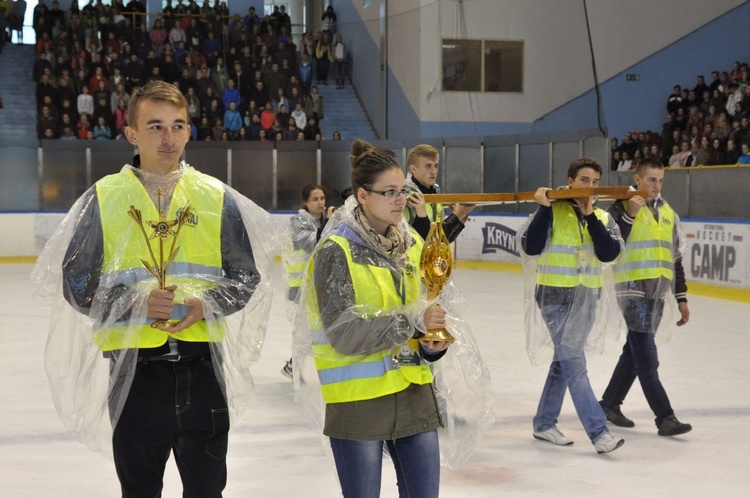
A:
[615,416]
[670,426]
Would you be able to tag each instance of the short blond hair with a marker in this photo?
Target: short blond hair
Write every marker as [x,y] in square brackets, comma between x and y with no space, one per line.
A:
[422,150]
[158,91]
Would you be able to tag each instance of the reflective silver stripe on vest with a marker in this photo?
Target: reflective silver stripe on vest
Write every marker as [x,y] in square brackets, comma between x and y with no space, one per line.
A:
[297,258]
[562,249]
[357,371]
[178,312]
[649,244]
[567,271]
[642,265]
[136,275]
[319,337]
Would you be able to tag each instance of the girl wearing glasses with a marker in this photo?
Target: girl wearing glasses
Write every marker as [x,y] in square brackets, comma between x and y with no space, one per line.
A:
[360,339]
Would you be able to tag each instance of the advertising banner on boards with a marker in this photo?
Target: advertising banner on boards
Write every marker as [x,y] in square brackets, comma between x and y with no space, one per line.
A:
[717,252]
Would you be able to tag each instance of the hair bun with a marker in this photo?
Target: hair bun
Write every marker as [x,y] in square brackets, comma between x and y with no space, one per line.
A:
[359,149]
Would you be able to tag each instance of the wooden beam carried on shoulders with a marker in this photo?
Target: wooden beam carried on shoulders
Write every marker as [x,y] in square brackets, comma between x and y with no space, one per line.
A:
[604,193]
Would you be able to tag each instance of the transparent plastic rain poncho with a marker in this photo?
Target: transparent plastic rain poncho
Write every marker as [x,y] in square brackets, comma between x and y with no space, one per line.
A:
[302,238]
[562,322]
[88,389]
[649,305]
[461,380]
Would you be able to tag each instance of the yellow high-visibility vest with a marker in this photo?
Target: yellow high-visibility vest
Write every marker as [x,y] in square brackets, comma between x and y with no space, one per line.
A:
[649,250]
[569,259]
[295,262]
[199,252]
[346,378]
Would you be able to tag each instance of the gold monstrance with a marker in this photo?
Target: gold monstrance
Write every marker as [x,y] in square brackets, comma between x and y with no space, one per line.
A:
[163,229]
[435,269]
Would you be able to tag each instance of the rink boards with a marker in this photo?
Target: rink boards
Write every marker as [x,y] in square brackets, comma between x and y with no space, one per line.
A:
[716,251]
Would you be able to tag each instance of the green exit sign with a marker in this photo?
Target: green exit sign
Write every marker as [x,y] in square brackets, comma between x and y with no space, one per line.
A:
[632,77]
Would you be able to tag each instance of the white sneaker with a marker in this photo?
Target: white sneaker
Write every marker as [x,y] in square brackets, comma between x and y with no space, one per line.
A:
[606,442]
[554,436]
[287,370]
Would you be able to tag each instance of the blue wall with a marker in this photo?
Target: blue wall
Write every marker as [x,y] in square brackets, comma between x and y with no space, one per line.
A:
[643,105]
[639,105]
[626,106]
[366,70]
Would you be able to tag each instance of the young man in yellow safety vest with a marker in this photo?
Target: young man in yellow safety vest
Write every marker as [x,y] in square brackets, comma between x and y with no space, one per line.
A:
[572,238]
[145,368]
[645,275]
[423,162]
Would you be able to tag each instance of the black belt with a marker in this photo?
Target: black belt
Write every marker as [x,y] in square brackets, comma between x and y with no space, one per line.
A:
[173,358]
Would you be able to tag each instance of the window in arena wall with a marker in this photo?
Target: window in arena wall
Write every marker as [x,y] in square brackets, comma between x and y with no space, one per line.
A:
[503,66]
[462,65]
[482,65]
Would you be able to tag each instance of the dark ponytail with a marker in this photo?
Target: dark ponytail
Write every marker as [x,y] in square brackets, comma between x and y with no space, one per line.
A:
[368,163]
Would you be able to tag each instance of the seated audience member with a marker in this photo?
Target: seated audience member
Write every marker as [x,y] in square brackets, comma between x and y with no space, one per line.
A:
[637,156]
[121,116]
[267,117]
[696,156]
[312,129]
[674,159]
[276,127]
[290,133]
[232,121]
[46,121]
[615,160]
[733,153]
[83,127]
[68,134]
[283,115]
[684,153]
[204,128]
[745,157]
[85,102]
[625,163]
[300,118]
[217,130]
[101,130]
[254,128]
[716,155]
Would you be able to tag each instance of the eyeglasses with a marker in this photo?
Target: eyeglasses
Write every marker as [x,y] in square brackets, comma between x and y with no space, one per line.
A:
[391,194]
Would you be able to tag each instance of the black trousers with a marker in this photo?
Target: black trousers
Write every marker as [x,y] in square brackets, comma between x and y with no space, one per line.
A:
[173,407]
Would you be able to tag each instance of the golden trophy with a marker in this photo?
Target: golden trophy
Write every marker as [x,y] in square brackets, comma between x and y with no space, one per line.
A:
[435,271]
[162,229]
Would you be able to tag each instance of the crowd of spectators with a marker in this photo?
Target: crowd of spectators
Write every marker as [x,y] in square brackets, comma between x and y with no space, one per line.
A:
[706,125]
[244,78]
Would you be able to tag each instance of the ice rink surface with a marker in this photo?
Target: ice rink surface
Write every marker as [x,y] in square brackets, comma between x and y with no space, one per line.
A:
[273,452]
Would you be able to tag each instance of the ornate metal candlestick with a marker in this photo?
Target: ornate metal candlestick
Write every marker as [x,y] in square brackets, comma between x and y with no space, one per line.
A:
[435,271]
[163,229]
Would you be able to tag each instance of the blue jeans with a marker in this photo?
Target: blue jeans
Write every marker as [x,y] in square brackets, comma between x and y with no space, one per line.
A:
[568,371]
[416,460]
